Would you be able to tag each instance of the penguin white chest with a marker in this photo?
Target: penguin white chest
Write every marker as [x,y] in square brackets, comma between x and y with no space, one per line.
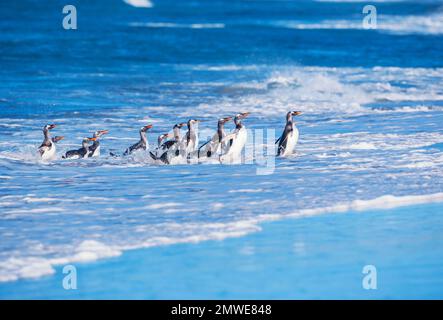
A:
[48,153]
[291,142]
[96,152]
[238,143]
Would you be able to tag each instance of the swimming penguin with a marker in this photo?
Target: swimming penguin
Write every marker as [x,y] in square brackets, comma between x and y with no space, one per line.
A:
[47,148]
[289,137]
[190,140]
[160,145]
[171,148]
[235,141]
[177,138]
[94,149]
[215,145]
[80,153]
[142,144]
[162,138]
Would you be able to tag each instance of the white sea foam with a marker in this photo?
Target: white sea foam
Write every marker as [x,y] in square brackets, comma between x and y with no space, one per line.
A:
[246,191]
[140,3]
[38,200]
[15,268]
[178,25]
[231,67]
[362,146]
[375,141]
[331,90]
[421,24]
[156,206]
[90,250]
[431,24]
[380,203]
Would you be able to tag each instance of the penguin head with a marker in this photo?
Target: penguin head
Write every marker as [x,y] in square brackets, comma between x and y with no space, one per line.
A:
[146,128]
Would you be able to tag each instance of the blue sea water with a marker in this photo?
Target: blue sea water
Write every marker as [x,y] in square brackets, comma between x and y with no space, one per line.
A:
[370,143]
[292,259]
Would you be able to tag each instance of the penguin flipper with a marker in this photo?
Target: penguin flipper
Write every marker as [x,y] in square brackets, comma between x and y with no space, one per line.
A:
[153,156]
[164,158]
[229,137]
[204,144]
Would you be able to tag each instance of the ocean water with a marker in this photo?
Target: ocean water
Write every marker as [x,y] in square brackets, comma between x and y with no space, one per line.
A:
[371,143]
[306,258]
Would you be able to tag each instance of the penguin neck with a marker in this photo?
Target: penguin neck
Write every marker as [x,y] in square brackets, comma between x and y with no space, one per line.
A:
[47,134]
[289,120]
[220,131]
[177,134]
[143,138]
[192,130]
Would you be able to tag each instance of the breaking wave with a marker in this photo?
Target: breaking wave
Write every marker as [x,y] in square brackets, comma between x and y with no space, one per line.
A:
[15,267]
[322,90]
[412,24]
[178,25]
[140,3]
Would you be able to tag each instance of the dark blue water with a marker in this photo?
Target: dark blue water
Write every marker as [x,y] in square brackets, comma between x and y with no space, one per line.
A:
[112,54]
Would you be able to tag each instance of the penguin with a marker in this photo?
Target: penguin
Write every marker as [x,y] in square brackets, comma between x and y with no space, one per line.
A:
[142,144]
[80,153]
[289,137]
[47,149]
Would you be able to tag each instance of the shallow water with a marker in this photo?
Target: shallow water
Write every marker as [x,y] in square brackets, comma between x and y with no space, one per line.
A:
[319,257]
[372,105]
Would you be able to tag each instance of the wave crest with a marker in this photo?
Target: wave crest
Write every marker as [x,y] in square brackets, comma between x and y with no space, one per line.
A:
[139,3]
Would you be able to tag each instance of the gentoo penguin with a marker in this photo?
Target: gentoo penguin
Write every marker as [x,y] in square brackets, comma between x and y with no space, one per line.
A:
[94,149]
[162,138]
[171,148]
[80,153]
[235,141]
[289,137]
[215,145]
[47,148]
[190,140]
[142,144]
[160,149]
[177,137]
